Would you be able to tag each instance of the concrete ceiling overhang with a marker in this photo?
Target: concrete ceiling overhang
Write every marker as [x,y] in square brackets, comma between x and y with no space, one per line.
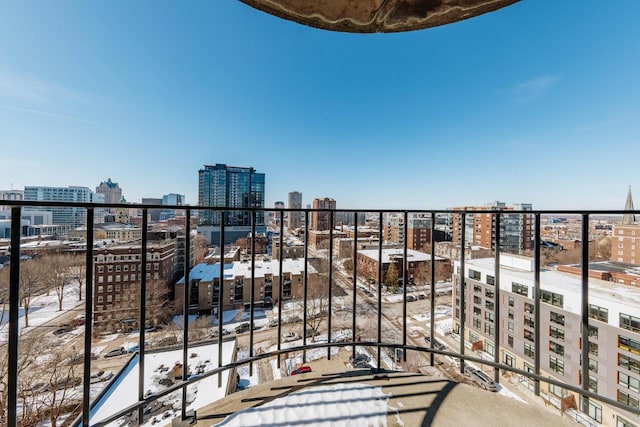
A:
[377,16]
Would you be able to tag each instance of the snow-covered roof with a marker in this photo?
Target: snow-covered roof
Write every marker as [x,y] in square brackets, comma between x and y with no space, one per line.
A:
[387,254]
[207,272]
[616,297]
[123,391]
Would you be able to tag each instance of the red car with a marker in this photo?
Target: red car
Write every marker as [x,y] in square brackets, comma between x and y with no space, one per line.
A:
[301,370]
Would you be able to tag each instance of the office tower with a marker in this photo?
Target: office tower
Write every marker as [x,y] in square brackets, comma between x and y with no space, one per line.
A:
[295,202]
[111,190]
[154,213]
[222,186]
[173,199]
[278,205]
[418,230]
[320,220]
[73,216]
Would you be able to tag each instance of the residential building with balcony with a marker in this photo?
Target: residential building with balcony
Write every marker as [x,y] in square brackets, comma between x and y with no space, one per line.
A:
[614,329]
[516,230]
[418,263]
[222,186]
[418,230]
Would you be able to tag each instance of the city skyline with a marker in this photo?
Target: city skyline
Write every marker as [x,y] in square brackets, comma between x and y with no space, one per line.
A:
[520,105]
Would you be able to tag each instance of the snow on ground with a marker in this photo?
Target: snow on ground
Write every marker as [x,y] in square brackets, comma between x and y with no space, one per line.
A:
[355,404]
[508,393]
[158,367]
[277,374]
[43,309]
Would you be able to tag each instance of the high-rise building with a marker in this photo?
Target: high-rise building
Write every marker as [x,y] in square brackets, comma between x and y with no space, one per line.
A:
[73,216]
[295,202]
[516,230]
[320,220]
[173,199]
[154,213]
[111,190]
[222,186]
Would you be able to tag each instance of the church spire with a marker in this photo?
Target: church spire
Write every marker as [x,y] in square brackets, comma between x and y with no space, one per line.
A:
[629,218]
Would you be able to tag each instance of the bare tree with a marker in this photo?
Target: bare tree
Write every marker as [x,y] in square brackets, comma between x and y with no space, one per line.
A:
[55,274]
[61,378]
[317,302]
[78,273]
[4,292]
[199,329]
[31,284]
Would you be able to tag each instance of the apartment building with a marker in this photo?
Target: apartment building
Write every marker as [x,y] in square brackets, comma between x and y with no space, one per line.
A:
[236,289]
[516,230]
[614,329]
[117,275]
[320,220]
[418,230]
[418,263]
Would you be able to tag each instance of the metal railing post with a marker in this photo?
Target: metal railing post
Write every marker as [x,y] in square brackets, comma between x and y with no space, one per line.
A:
[88,320]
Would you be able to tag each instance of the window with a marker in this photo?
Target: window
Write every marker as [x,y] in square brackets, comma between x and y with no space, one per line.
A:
[476,323]
[510,326]
[473,274]
[528,307]
[489,294]
[508,359]
[125,267]
[593,348]
[528,335]
[489,305]
[598,313]
[629,363]
[118,268]
[593,384]
[156,266]
[101,269]
[529,351]
[477,311]
[557,318]
[477,289]
[556,333]
[593,365]
[628,399]
[552,298]
[556,348]
[529,322]
[477,300]
[489,329]
[510,341]
[491,280]
[593,409]
[629,382]
[624,423]
[510,314]
[100,289]
[473,337]
[593,332]
[488,316]
[519,289]
[511,302]
[556,365]
[628,344]
[528,368]
[629,322]
[110,268]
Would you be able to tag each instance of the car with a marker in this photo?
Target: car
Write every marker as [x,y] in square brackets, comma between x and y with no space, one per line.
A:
[272,323]
[411,298]
[62,330]
[468,370]
[290,336]
[301,370]
[422,295]
[436,344]
[362,365]
[243,328]
[483,380]
[116,352]
[360,357]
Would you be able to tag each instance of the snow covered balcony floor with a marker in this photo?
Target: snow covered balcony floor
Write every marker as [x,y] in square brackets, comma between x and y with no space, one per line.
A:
[361,398]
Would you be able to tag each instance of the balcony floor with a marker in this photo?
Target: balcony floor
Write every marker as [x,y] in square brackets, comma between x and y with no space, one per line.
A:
[418,400]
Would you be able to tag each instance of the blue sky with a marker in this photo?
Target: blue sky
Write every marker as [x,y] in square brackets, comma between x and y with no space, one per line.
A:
[538,102]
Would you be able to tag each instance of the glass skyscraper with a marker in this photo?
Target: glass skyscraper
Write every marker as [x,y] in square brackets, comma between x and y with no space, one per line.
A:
[232,187]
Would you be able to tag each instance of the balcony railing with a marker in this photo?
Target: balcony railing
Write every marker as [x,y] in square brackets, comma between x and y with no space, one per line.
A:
[12,404]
